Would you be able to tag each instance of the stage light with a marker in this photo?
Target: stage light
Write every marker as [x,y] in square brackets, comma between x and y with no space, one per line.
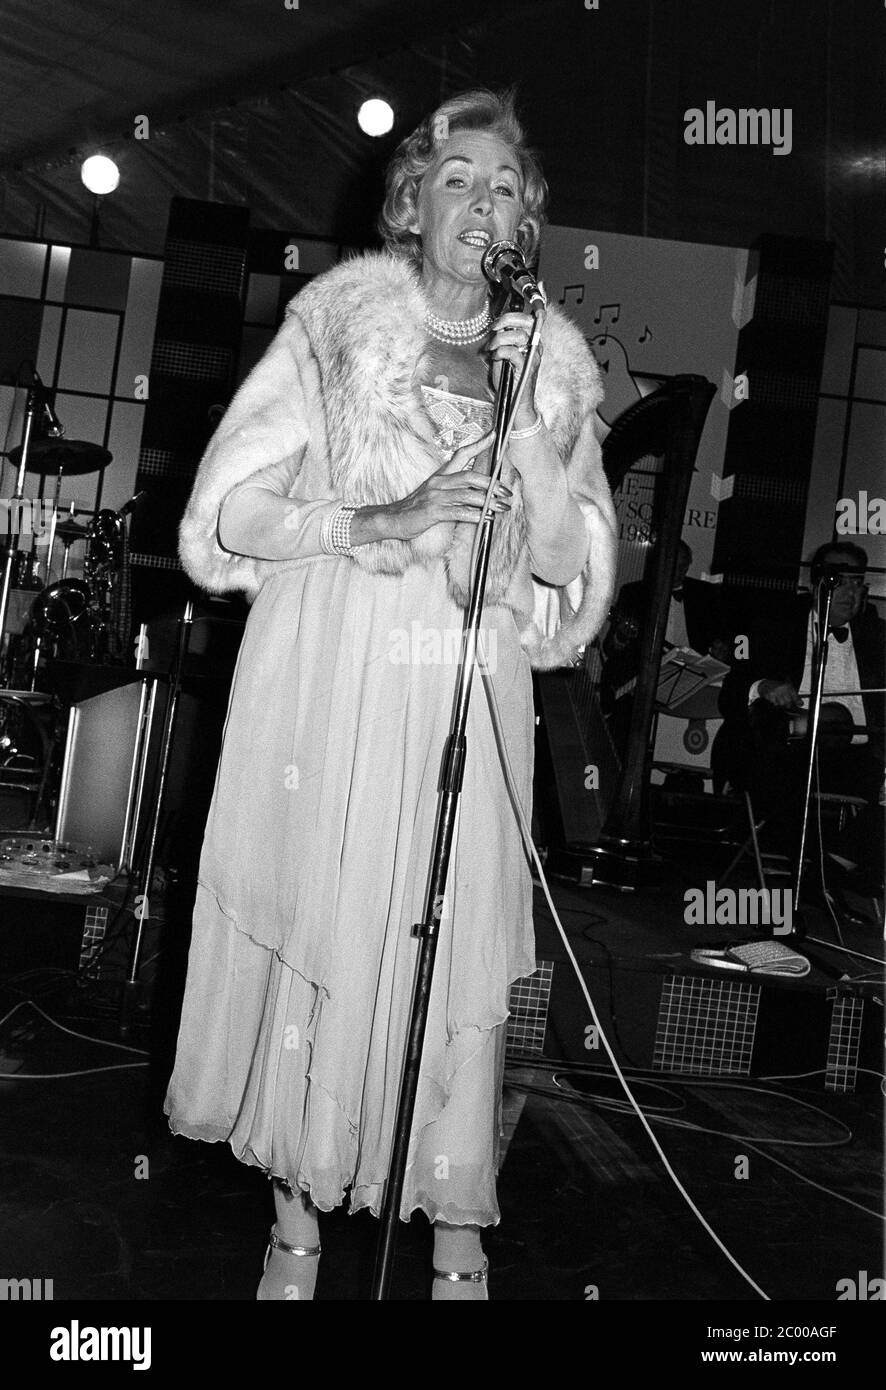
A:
[866,164]
[375,117]
[100,174]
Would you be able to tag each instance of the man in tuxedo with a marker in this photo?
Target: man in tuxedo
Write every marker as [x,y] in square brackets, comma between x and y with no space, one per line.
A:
[763,694]
[692,615]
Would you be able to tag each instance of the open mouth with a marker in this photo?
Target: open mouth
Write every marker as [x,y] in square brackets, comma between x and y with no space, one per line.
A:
[477,239]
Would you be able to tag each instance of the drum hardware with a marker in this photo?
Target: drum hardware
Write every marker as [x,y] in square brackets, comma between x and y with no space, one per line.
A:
[28,739]
[71,618]
[60,458]
[69,530]
[73,456]
[35,403]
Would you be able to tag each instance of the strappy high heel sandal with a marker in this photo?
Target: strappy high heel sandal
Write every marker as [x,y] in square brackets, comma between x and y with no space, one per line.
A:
[276,1243]
[476,1276]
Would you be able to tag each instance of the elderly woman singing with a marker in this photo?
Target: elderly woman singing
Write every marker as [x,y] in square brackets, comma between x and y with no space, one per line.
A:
[338,492]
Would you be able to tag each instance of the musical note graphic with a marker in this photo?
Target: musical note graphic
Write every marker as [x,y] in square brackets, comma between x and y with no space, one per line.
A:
[621,390]
[602,310]
[580,297]
[647,334]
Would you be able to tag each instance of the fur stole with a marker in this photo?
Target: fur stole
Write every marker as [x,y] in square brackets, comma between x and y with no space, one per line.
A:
[342,380]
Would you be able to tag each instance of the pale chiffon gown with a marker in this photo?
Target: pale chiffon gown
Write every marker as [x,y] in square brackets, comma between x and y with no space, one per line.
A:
[313,873]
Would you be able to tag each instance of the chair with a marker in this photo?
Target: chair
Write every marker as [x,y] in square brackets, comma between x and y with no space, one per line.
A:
[842,802]
[752,842]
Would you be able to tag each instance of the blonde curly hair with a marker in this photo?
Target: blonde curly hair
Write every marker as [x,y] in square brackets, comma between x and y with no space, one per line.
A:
[479,109]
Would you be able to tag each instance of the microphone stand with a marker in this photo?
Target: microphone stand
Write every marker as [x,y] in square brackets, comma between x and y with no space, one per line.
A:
[31,406]
[823,613]
[35,401]
[428,930]
[145,876]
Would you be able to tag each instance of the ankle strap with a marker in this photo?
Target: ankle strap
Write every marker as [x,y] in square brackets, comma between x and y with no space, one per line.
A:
[477,1276]
[279,1244]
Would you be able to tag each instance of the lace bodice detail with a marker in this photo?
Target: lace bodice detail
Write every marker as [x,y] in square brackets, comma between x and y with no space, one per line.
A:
[456,419]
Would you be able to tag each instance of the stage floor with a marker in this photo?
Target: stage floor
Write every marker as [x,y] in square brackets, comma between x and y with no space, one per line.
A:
[782,1169]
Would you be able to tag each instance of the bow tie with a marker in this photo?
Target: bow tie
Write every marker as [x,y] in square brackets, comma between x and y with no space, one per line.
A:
[677,595]
[840,633]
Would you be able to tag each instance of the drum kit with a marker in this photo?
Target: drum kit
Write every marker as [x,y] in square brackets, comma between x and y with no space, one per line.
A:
[68,618]
[49,614]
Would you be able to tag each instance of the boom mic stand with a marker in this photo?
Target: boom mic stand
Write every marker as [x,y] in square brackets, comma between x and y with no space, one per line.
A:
[149,850]
[451,780]
[824,594]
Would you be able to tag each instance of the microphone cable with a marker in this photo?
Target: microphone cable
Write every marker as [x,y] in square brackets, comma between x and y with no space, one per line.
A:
[529,844]
[533,852]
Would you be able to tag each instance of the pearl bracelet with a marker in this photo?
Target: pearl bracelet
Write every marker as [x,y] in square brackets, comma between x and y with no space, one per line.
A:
[335,532]
[529,431]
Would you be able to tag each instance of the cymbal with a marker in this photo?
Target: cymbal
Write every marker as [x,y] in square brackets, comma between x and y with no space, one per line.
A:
[71,530]
[69,455]
[26,697]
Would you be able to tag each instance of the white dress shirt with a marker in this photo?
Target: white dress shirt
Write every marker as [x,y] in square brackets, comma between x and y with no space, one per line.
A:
[676,632]
[840,673]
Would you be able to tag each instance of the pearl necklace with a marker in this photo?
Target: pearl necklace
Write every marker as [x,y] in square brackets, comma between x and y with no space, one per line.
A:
[459,330]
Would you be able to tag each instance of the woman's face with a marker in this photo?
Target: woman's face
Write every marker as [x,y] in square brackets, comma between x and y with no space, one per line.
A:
[469,197]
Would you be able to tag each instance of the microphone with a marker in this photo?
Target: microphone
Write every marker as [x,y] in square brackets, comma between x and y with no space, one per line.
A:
[133,502]
[504,264]
[831,576]
[54,426]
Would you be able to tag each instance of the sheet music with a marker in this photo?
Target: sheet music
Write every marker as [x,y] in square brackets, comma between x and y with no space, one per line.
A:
[684,672]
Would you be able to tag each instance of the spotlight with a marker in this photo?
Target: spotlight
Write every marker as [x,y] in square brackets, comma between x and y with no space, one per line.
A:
[866,164]
[100,174]
[375,117]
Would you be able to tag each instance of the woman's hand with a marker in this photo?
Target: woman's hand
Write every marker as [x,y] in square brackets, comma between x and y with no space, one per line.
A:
[508,343]
[453,493]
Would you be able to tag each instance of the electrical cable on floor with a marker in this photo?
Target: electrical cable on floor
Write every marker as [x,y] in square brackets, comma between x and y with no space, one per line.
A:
[66,1075]
[86,1071]
[847,1136]
[534,855]
[11,981]
[751,1142]
[818,1071]
[657,1077]
[820,1186]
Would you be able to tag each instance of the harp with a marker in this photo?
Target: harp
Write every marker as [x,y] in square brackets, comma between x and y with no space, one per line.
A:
[592,791]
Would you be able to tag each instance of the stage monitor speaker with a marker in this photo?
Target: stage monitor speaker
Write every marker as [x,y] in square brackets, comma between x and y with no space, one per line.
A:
[678,1022]
[110,757]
